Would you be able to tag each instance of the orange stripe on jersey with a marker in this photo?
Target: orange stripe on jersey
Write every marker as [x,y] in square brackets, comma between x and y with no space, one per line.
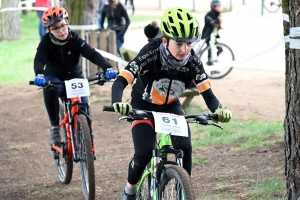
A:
[170,100]
[157,98]
[127,75]
[203,86]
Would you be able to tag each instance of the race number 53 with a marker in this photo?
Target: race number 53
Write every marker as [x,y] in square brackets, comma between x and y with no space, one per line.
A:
[77,88]
[168,123]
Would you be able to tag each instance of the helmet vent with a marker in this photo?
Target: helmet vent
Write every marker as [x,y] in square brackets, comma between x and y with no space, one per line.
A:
[182,29]
[179,16]
[189,16]
[166,27]
[175,31]
[171,20]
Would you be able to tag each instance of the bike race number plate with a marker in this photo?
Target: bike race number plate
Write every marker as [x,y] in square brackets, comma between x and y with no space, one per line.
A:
[168,123]
[77,87]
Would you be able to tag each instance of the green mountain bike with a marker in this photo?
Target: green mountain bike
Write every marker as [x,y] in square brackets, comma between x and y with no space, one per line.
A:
[164,178]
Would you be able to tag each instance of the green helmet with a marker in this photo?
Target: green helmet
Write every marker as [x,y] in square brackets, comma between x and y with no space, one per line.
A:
[180,25]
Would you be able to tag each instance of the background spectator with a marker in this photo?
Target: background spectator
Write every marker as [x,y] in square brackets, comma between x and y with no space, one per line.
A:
[132,5]
[46,4]
[117,19]
[152,31]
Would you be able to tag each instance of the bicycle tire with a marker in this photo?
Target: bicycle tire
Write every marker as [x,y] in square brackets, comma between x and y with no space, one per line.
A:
[271,6]
[63,163]
[226,53]
[175,183]
[144,193]
[86,162]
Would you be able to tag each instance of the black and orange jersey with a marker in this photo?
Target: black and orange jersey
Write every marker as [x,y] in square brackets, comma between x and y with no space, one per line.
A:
[159,84]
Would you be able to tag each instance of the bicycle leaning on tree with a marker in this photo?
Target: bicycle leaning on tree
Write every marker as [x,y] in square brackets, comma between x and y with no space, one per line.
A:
[77,139]
[164,178]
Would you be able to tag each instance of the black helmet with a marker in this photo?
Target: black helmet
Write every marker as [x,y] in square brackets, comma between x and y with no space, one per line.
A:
[215,3]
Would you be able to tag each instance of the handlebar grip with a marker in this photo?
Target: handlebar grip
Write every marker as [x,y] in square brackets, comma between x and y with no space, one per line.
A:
[108,108]
[214,116]
[31,82]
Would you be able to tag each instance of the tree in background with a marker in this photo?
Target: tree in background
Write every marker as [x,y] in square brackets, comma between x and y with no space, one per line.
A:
[81,12]
[292,103]
[10,21]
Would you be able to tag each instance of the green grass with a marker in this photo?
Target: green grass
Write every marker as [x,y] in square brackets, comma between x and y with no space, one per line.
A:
[268,189]
[46,190]
[16,61]
[243,134]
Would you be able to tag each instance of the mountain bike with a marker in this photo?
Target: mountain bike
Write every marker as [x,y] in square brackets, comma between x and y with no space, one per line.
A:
[77,138]
[219,63]
[272,5]
[164,178]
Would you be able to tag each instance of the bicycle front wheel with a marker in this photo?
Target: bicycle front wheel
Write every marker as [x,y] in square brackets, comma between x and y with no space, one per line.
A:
[272,5]
[218,68]
[86,159]
[144,185]
[63,163]
[175,183]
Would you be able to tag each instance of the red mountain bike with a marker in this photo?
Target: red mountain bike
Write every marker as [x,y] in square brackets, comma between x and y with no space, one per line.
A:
[77,139]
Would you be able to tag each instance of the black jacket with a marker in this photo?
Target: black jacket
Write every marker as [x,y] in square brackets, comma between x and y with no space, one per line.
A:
[211,21]
[63,61]
[115,18]
[159,85]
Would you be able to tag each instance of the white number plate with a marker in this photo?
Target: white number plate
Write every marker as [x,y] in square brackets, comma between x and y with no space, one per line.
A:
[77,87]
[168,123]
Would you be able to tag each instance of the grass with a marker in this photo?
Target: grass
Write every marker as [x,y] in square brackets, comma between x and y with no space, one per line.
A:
[45,190]
[16,61]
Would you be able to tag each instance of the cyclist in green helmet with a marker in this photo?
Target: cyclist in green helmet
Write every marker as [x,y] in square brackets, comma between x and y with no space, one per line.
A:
[160,73]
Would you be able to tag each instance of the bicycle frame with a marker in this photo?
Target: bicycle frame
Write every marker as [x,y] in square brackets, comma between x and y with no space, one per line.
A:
[161,149]
[71,112]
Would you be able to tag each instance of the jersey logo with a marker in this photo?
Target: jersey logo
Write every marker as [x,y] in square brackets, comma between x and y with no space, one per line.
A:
[200,77]
[133,67]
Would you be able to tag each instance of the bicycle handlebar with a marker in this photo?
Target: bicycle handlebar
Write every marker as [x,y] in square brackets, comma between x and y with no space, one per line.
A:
[137,114]
[99,76]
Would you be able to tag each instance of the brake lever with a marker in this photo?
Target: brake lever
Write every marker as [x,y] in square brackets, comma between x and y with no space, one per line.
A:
[217,125]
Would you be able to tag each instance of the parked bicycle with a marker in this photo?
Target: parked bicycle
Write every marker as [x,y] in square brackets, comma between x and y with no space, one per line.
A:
[164,177]
[77,139]
[221,61]
[272,5]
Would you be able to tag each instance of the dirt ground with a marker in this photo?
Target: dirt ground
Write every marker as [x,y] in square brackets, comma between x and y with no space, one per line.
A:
[27,170]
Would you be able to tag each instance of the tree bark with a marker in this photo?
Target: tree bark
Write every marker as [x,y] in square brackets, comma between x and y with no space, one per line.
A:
[292,102]
[10,21]
[75,10]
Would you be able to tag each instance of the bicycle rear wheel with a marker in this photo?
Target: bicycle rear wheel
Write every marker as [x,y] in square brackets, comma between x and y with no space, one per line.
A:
[272,5]
[218,68]
[63,163]
[86,162]
[175,183]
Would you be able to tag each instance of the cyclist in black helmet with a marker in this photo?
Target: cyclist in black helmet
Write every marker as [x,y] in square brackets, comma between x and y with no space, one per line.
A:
[212,25]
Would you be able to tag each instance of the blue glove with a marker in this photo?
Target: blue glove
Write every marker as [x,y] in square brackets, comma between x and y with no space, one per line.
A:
[39,80]
[110,73]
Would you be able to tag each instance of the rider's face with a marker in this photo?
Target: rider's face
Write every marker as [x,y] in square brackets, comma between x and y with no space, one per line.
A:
[179,50]
[60,29]
[218,8]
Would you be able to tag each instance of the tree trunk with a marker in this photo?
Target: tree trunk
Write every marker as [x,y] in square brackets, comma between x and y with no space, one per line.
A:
[10,21]
[292,91]
[82,12]
[75,10]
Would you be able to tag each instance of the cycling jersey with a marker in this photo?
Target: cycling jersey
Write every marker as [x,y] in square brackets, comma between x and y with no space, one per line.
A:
[212,23]
[63,61]
[159,84]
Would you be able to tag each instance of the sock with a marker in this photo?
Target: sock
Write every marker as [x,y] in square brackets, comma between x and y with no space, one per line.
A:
[130,191]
